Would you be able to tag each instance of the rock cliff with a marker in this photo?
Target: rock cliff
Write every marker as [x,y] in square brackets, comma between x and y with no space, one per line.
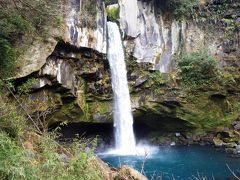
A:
[73,71]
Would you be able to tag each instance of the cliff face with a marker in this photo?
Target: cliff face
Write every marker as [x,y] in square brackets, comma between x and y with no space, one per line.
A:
[72,74]
[160,36]
[86,24]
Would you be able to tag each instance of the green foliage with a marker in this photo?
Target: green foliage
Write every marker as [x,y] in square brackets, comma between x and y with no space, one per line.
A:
[113,14]
[14,164]
[11,27]
[157,78]
[11,120]
[108,2]
[26,86]
[229,76]
[197,69]
[7,57]
[231,27]
[27,155]
[91,7]
[182,7]
[44,163]
[20,23]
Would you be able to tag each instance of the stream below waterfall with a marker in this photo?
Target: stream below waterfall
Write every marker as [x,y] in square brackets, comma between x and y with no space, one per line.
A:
[181,163]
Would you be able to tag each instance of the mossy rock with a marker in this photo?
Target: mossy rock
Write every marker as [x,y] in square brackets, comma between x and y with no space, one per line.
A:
[217,142]
[230,145]
[196,108]
[100,111]
[41,101]
[69,112]
[231,150]
[113,12]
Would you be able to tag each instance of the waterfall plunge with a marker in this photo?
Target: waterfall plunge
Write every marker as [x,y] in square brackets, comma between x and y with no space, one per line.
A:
[122,115]
[123,120]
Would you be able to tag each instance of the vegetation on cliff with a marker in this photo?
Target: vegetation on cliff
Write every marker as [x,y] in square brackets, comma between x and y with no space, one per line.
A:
[198,94]
[197,97]
[183,7]
[198,69]
[29,152]
[20,23]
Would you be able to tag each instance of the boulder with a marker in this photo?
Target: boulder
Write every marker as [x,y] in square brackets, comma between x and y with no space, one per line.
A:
[41,82]
[130,173]
[236,125]
[61,71]
[231,150]
[228,140]
[238,149]
[230,145]
[139,81]
[218,142]
[228,134]
[106,171]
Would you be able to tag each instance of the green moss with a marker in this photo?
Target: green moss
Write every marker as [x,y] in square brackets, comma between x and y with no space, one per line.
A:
[181,8]
[158,78]
[113,14]
[41,101]
[202,110]
[209,113]
[69,112]
[84,106]
[91,7]
[88,14]
[101,108]
[26,87]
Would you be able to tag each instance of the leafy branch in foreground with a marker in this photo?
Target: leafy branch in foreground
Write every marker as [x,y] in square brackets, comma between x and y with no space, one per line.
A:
[26,153]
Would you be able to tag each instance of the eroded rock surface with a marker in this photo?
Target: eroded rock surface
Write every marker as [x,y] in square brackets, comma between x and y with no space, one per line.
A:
[86,26]
[129,18]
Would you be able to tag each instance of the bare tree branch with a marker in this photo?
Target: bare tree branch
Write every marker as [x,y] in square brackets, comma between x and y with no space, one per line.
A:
[233,173]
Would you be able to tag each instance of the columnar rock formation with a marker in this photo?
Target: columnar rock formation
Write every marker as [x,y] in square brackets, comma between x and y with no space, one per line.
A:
[86,26]
[129,17]
[152,37]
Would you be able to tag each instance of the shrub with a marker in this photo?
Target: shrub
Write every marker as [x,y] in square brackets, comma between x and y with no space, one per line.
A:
[27,86]
[197,69]
[182,7]
[12,26]
[7,58]
[14,164]
[45,162]
[27,155]
[157,78]
[11,120]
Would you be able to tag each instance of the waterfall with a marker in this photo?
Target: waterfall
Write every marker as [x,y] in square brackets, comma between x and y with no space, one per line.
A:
[123,120]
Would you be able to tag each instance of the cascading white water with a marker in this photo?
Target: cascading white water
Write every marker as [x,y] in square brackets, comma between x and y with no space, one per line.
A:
[123,120]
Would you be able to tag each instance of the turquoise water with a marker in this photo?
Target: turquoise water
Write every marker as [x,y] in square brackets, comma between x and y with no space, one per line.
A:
[181,163]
